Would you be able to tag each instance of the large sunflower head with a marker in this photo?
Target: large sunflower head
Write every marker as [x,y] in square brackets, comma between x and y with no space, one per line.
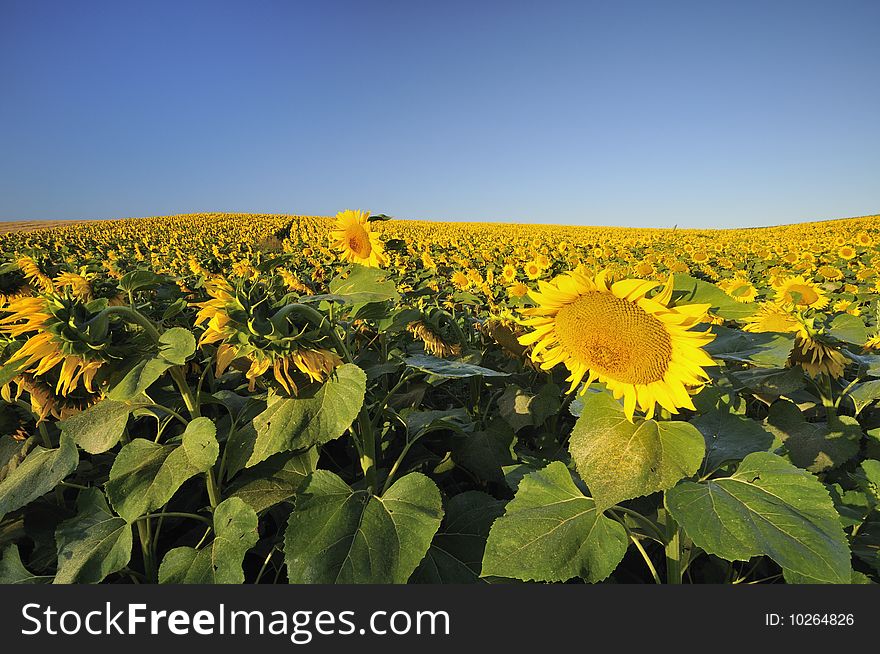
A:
[799,292]
[642,349]
[66,344]
[263,334]
[352,237]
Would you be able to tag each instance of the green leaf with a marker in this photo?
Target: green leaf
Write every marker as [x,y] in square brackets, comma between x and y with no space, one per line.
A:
[486,452]
[12,570]
[140,280]
[9,371]
[176,345]
[864,394]
[450,369]
[200,444]
[767,349]
[92,544]
[364,285]
[695,291]
[275,480]
[40,472]
[98,428]
[768,507]
[551,532]
[298,423]
[523,409]
[771,381]
[621,460]
[338,535]
[138,378]
[866,544]
[145,476]
[456,553]
[235,529]
[848,328]
[814,446]
[730,437]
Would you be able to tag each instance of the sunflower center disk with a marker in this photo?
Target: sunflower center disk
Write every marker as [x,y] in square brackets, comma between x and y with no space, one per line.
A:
[359,242]
[614,337]
[805,294]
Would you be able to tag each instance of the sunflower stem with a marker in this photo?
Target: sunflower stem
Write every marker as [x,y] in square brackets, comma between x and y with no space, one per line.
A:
[674,568]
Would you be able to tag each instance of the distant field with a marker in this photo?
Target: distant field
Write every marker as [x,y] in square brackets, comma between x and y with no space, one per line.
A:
[30,225]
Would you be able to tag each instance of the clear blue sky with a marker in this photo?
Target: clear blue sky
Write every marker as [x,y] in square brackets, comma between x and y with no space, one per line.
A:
[625,113]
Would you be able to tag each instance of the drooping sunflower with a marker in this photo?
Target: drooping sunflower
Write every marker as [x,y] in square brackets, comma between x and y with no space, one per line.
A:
[262,336]
[799,292]
[814,354]
[642,349]
[355,241]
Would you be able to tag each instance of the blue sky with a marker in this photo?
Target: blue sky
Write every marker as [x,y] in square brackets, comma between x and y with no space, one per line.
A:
[700,113]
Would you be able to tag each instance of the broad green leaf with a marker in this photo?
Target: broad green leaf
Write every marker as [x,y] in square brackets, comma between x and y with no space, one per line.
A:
[138,379]
[235,529]
[521,408]
[40,472]
[9,371]
[695,291]
[768,507]
[486,452]
[92,544]
[815,446]
[771,381]
[298,423]
[9,447]
[275,480]
[456,553]
[200,444]
[768,349]
[730,437]
[176,345]
[145,476]
[140,280]
[12,570]
[364,285]
[621,460]
[864,394]
[98,428]
[338,535]
[551,532]
[848,328]
[450,369]
[866,544]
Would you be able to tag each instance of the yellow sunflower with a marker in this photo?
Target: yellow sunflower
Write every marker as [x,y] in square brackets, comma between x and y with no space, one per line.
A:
[800,292]
[532,270]
[354,240]
[740,290]
[640,348]
[508,273]
[771,318]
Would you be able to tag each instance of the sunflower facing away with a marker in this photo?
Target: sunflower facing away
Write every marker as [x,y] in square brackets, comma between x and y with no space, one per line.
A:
[352,238]
[639,347]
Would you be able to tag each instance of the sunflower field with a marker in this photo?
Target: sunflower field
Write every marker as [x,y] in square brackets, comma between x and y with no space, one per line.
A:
[231,398]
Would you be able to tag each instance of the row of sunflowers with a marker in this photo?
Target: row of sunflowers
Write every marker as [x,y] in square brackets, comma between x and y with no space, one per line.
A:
[231,398]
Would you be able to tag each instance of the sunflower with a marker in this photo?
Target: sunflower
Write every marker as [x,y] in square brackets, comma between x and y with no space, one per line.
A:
[798,291]
[532,270]
[508,273]
[847,252]
[54,343]
[352,238]
[433,340]
[244,332]
[814,355]
[640,348]
[771,318]
[740,290]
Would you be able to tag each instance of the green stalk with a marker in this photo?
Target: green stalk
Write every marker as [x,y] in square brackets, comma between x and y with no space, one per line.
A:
[674,568]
